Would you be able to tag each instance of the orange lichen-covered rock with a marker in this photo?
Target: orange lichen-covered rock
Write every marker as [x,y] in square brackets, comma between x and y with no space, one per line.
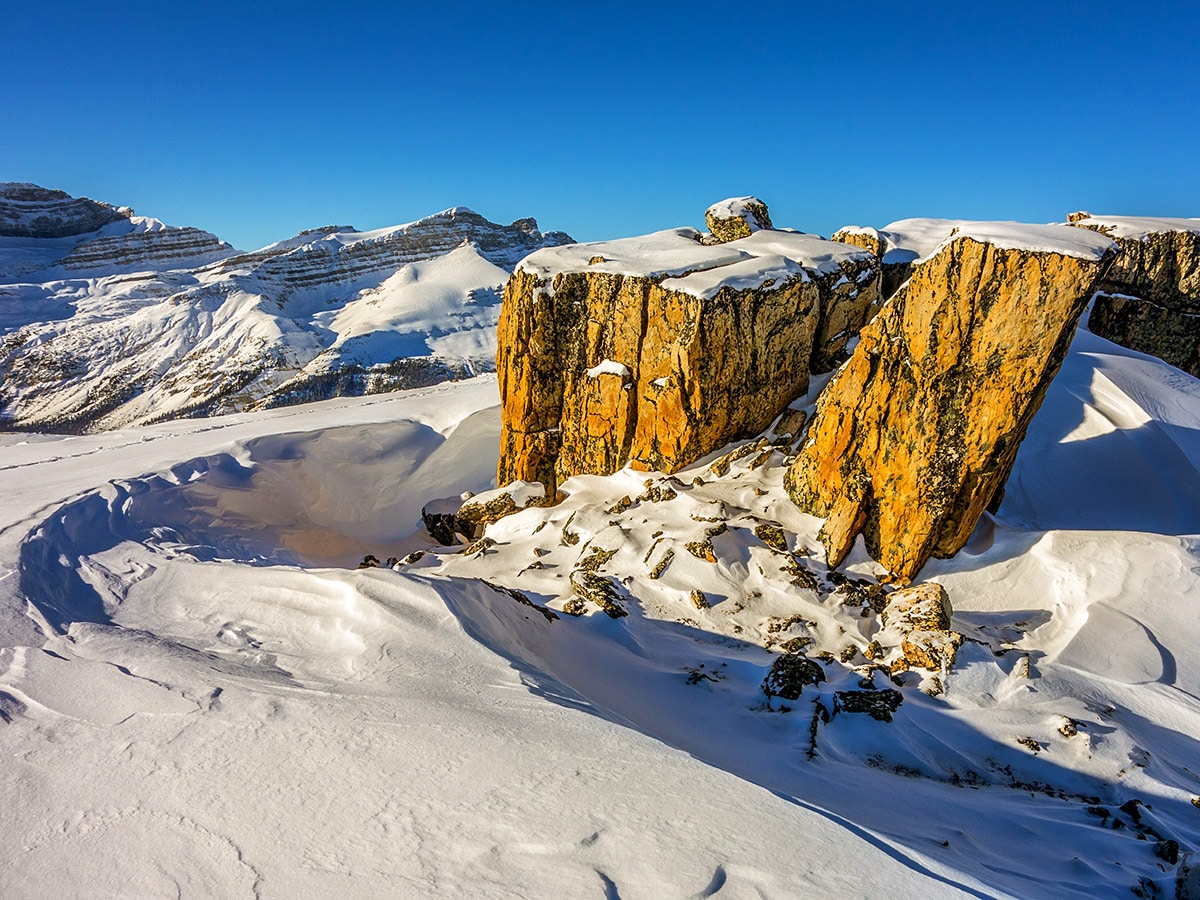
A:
[653,350]
[915,435]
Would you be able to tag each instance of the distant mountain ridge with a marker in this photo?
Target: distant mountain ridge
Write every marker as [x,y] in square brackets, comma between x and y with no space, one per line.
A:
[110,319]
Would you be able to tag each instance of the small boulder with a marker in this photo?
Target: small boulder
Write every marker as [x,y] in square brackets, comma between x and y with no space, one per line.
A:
[921,607]
[737,217]
[447,519]
[879,705]
[789,674]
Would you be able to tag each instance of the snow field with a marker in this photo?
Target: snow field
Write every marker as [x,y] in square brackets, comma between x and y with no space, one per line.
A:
[217,709]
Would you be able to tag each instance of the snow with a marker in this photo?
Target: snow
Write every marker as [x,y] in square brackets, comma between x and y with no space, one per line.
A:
[201,695]
[426,307]
[1141,227]
[747,275]
[608,367]
[913,240]
[673,252]
[227,725]
[810,250]
[681,263]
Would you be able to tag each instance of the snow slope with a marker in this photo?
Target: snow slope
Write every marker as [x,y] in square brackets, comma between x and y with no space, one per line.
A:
[216,717]
[198,700]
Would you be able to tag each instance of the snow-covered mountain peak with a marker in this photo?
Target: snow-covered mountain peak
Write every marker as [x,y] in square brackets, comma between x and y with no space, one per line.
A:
[31,211]
[138,320]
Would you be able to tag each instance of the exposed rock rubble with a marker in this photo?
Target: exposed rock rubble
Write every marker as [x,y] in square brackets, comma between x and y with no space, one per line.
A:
[919,619]
[916,434]
[467,517]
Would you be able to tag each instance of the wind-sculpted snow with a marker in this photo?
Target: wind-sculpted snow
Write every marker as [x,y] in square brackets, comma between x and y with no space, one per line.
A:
[1073,696]
[240,729]
[295,729]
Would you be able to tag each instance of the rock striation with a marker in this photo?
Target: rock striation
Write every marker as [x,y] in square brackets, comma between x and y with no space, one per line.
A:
[1150,296]
[32,211]
[659,349]
[156,247]
[915,435]
[341,253]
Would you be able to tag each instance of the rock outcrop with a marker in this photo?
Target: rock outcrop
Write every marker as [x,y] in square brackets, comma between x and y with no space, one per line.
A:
[916,433]
[468,516]
[899,246]
[660,349]
[31,211]
[918,619]
[154,248]
[1150,296]
[737,217]
[654,350]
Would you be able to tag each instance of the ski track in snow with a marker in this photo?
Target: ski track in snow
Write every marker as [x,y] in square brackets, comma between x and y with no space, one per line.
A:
[212,710]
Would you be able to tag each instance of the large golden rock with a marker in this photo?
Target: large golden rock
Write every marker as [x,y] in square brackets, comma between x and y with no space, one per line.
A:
[1150,300]
[654,350]
[915,435]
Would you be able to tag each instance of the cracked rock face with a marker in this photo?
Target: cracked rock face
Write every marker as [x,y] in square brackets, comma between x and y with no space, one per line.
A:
[1150,300]
[599,369]
[915,435]
[659,349]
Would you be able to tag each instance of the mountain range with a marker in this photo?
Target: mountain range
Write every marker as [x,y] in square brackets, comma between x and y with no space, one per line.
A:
[110,319]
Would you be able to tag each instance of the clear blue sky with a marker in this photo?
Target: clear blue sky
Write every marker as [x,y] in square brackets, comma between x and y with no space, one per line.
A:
[255,120]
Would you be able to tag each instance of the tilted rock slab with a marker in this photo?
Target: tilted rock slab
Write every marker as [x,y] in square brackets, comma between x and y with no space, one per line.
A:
[916,434]
[653,350]
[1150,300]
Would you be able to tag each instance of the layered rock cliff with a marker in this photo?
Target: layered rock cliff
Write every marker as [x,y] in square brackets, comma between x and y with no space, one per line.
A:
[1150,298]
[340,253]
[148,245]
[31,211]
[659,349]
[915,435]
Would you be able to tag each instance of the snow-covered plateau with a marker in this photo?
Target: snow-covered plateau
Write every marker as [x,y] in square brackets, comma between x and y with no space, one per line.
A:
[201,696]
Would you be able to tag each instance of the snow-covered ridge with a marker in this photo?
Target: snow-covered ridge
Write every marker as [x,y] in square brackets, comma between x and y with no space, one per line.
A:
[914,240]
[1138,227]
[30,211]
[349,255]
[688,265]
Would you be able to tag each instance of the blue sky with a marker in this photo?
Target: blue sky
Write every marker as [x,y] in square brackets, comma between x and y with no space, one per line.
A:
[256,120]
